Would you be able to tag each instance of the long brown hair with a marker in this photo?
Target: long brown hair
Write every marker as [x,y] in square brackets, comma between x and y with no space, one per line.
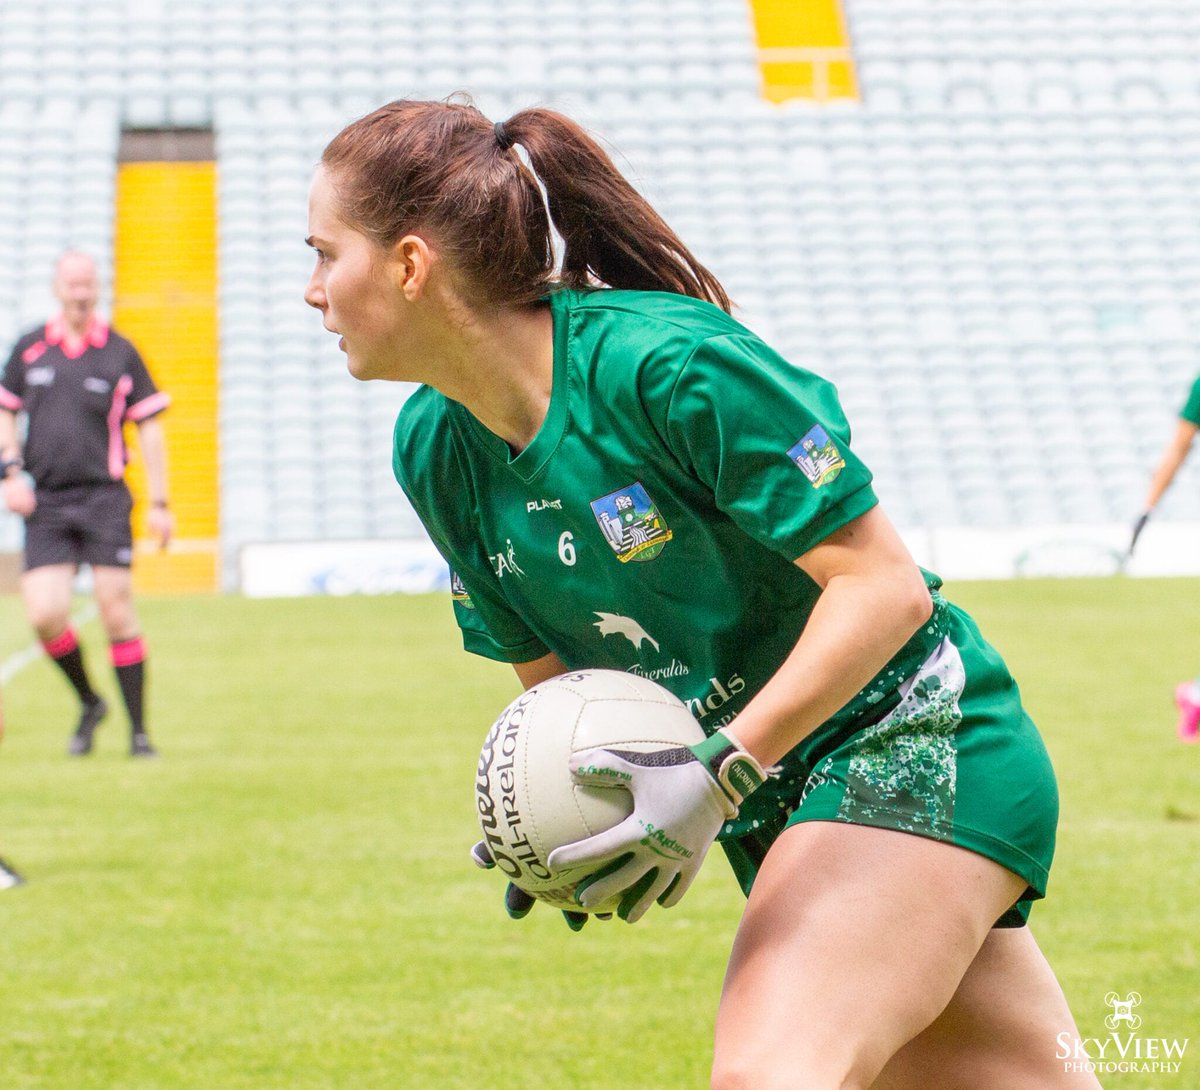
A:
[442,167]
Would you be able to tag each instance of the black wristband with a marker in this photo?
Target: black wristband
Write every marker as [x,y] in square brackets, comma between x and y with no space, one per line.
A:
[161,504]
[8,464]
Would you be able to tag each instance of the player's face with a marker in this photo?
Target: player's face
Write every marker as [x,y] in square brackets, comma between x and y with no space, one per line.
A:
[352,287]
[77,288]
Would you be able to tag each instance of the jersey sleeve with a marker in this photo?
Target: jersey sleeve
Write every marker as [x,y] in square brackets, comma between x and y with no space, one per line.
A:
[1191,408]
[12,382]
[145,399]
[488,624]
[771,441]
[442,498]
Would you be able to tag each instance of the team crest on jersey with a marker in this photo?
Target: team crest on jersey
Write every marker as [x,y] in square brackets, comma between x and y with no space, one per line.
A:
[458,591]
[632,524]
[817,457]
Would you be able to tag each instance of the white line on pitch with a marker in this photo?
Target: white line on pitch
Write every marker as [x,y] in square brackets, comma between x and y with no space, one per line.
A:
[17,661]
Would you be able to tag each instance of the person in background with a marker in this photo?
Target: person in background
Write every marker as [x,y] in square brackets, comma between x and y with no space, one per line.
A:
[1187,693]
[597,436]
[77,381]
[8,876]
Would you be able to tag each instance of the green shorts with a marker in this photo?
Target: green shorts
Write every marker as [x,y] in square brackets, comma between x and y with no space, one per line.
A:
[955,759]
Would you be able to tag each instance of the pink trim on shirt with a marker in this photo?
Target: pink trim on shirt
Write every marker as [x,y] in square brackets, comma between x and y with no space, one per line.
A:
[34,352]
[95,336]
[116,441]
[148,406]
[127,652]
[10,401]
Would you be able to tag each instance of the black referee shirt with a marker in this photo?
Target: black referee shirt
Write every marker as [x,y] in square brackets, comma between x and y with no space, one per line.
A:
[77,396]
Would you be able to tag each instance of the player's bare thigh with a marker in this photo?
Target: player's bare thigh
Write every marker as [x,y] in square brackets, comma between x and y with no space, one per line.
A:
[854,940]
[1000,1031]
[46,591]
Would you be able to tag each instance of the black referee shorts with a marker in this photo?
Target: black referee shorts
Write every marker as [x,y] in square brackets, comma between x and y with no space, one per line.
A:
[84,524]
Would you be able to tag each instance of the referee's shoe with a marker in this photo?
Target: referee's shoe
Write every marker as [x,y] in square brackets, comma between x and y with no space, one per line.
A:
[9,877]
[89,719]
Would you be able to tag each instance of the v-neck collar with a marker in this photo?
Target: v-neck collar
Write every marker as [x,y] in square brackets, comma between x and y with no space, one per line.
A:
[529,461]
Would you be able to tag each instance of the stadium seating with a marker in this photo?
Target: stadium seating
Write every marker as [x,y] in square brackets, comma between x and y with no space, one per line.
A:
[996,255]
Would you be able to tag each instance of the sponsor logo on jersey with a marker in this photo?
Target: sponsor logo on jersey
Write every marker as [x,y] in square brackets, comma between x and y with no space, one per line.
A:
[458,590]
[632,523]
[657,673]
[505,562]
[613,624]
[817,457]
[716,696]
[39,376]
[543,505]
[97,385]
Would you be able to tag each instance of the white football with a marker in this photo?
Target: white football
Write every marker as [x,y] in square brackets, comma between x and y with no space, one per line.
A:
[528,802]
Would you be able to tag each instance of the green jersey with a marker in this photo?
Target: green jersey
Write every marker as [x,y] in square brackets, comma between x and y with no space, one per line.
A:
[653,522]
[1191,408]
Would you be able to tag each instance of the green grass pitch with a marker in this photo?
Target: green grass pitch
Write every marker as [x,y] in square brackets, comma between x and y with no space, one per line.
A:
[285,902]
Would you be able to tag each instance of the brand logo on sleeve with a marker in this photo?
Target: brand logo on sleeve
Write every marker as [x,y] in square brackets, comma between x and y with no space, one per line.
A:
[817,457]
[632,523]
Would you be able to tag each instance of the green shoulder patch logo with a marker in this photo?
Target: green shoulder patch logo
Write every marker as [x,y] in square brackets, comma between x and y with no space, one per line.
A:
[458,592]
[817,457]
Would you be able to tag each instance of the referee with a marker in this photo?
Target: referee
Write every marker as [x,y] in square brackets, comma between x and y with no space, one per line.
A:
[78,381]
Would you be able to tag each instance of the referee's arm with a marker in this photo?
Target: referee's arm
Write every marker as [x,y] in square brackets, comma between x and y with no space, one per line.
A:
[18,496]
[153,441]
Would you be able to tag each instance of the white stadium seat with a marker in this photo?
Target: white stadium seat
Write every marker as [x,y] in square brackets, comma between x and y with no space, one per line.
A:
[998,243]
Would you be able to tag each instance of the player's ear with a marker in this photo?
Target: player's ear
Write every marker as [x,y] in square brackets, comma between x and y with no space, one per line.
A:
[411,262]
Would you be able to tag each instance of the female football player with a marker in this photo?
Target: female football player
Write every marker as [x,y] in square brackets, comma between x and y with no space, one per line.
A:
[1187,693]
[596,438]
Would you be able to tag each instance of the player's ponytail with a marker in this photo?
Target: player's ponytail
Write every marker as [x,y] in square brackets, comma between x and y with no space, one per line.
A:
[611,233]
[443,168]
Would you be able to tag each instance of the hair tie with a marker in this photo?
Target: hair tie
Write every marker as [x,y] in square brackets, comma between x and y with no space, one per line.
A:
[502,138]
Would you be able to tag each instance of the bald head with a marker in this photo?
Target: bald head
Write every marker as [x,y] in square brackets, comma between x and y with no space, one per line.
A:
[77,288]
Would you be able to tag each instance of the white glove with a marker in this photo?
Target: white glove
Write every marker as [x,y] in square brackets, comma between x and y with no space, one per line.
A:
[681,798]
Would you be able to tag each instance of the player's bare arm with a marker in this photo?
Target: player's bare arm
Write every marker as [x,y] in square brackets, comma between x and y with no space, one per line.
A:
[539,670]
[873,599]
[1172,460]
